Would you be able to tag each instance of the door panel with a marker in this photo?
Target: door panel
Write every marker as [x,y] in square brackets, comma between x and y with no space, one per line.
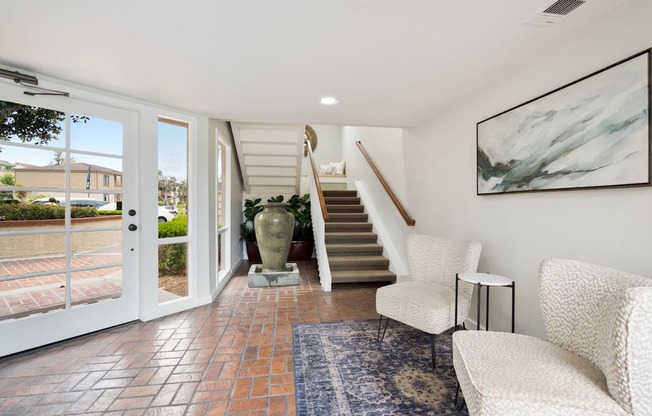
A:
[67,269]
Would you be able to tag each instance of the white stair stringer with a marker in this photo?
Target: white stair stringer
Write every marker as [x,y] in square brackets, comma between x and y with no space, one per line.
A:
[319,232]
[270,157]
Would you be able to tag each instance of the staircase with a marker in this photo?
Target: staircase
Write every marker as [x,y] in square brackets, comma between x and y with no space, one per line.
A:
[354,255]
[270,157]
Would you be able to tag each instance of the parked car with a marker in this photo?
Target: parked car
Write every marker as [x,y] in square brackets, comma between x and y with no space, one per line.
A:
[74,202]
[163,214]
[173,209]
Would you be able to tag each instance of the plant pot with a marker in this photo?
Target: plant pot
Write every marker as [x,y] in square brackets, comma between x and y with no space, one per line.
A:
[301,250]
[252,252]
[274,227]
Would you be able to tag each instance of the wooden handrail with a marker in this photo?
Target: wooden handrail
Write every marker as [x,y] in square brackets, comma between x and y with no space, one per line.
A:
[315,174]
[406,217]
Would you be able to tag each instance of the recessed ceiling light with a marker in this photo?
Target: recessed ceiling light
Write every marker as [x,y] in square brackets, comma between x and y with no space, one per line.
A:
[329,100]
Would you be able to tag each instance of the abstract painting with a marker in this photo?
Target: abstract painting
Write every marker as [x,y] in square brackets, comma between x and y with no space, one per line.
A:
[594,132]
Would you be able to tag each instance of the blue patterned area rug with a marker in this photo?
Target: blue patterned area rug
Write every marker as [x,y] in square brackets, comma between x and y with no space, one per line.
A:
[340,369]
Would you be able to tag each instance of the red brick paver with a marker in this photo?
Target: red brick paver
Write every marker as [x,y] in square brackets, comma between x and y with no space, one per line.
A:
[231,357]
[23,297]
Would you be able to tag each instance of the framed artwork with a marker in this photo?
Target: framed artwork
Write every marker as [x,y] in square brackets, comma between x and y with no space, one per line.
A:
[594,132]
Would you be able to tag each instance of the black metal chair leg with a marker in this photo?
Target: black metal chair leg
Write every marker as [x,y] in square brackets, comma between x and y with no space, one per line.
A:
[380,321]
[433,337]
[457,394]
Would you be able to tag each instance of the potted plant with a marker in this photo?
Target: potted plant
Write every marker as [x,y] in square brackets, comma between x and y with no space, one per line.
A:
[247,231]
[302,238]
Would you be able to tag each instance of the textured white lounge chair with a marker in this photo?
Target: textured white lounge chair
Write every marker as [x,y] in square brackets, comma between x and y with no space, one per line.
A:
[598,360]
[427,300]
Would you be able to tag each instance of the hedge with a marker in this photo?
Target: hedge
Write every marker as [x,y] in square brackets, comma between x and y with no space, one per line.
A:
[172,258]
[18,212]
[109,212]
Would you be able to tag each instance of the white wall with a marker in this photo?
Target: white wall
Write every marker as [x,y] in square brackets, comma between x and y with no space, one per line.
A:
[385,147]
[234,217]
[612,227]
[329,149]
[329,144]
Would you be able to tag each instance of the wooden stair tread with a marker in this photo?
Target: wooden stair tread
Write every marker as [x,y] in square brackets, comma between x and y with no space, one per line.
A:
[362,276]
[347,217]
[352,226]
[340,193]
[336,260]
[341,201]
[346,208]
[339,237]
[344,249]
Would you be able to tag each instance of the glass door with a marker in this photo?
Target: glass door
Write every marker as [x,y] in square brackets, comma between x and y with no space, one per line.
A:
[68,219]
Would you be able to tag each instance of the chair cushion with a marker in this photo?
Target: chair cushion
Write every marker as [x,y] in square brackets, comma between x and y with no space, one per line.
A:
[422,305]
[510,374]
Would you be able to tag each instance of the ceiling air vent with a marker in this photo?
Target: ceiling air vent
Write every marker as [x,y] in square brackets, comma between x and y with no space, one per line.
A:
[554,13]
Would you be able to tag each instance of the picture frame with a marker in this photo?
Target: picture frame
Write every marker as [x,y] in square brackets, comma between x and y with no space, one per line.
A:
[591,133]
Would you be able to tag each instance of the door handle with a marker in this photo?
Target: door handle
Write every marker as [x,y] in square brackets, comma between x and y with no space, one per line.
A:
[132,212]
[132,227]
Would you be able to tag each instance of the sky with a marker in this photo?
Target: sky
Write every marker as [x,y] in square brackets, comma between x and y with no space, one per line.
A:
[104,136]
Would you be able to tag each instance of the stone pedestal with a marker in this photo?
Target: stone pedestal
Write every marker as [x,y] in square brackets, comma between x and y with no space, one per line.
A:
[287,277]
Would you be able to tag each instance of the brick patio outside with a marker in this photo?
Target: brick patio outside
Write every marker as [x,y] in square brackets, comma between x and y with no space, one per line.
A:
[23,297]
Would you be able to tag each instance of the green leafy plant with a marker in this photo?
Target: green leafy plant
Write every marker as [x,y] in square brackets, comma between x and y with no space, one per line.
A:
[251,208]
[299,207]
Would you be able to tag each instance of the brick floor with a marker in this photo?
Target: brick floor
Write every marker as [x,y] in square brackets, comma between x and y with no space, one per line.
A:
[232,357]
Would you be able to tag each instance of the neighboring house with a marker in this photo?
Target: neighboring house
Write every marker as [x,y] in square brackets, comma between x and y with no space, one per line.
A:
[92,178]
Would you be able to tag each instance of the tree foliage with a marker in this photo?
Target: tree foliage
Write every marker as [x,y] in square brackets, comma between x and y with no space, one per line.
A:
[59,159]
[8,179]
[170,189]
[35,125]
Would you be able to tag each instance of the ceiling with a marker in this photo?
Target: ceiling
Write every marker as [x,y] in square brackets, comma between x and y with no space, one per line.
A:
[390,62]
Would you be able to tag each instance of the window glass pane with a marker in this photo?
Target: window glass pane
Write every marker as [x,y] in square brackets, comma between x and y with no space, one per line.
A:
[91,286]
[219,253]
[172,271]
[96,248]
[35,217]
[35,168]
[88,173]
[27,296]
[31,253]
[172,175]
[220,186]
[95,134]
[32,125]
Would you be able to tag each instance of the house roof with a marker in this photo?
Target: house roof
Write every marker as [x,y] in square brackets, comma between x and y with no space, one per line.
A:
[390,62]
[76,167]
[5,163]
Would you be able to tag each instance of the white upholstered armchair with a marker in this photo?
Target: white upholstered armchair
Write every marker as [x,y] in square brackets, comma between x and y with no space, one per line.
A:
[598,360]
[427,300]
